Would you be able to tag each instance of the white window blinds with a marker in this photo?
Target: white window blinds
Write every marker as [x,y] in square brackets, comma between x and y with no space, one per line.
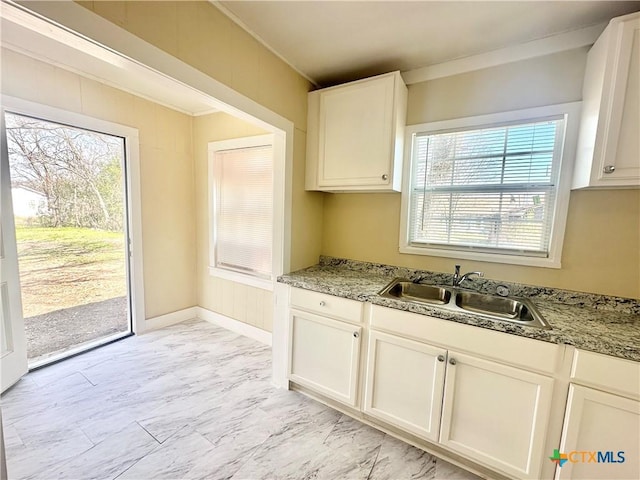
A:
[243,210]
[490,189]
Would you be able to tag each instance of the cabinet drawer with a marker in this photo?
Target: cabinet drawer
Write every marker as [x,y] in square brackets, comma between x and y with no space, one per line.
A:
[327,305]
[605,372]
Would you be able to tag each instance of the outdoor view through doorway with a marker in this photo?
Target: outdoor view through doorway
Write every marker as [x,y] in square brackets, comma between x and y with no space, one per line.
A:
[69,203]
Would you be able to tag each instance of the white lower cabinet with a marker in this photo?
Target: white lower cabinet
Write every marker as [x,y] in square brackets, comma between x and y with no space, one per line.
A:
[470,390]
[601,436]
[496,414]
[404,384]
[324,355]
[486,411]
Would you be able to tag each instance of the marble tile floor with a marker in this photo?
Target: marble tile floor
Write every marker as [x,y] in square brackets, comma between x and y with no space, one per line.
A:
[191,401]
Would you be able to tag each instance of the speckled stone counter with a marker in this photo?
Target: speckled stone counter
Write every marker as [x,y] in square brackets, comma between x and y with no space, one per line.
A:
[607,325]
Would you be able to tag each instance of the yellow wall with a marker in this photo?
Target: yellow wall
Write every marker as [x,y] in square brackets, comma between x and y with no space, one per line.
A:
[601,245]
[601,251]
[247,304]
[200,35]
[244,303]
[166,169]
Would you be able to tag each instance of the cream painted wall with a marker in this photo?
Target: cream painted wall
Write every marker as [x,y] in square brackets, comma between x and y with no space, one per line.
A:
[200,35]
[244,303]
[166,164]
[197,33]
[601,251]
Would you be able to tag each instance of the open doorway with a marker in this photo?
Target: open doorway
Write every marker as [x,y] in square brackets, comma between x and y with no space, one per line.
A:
[70,209]
[141,69]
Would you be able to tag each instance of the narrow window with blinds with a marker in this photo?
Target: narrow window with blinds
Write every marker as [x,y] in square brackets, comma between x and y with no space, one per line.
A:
[243,210]
[489,189]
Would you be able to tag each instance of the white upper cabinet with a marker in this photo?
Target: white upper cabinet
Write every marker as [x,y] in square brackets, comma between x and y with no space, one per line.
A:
[608,152]
[355,135]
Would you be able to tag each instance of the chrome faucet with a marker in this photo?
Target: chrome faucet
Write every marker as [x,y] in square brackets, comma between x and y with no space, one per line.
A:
[458,279]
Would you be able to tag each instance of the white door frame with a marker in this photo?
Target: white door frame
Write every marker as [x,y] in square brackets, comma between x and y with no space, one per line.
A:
[13,361]
[131,170]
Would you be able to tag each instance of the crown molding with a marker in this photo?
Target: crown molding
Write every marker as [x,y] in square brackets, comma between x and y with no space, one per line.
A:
[514,53]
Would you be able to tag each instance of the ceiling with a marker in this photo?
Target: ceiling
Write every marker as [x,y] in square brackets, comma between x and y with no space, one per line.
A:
[331,42]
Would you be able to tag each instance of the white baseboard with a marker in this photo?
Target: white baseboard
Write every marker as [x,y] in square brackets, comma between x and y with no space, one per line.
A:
[170,319]
[236,326]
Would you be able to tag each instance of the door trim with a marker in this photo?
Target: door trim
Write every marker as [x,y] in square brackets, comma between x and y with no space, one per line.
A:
[13,361]
[133,194]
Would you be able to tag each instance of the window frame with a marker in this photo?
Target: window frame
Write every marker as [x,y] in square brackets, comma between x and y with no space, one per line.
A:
[571,114]
[212,181]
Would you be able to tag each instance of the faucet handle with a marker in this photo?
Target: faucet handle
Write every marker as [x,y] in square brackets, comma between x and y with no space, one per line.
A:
[457,267]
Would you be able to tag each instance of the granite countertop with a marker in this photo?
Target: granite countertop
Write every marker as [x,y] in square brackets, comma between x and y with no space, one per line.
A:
[607,325]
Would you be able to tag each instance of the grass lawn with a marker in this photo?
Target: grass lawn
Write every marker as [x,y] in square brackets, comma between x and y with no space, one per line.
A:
[65,267]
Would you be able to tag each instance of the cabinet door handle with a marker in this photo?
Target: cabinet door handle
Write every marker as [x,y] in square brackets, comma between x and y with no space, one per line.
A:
[356,334]
[452,361]
[385,177]
[441,358]
[609,169]
[322,304]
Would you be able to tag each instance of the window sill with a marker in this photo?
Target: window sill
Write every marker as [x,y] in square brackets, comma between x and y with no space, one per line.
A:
[241,278]
[483,257]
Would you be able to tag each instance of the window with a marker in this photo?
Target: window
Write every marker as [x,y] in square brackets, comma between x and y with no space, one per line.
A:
[241,177]
[490,188]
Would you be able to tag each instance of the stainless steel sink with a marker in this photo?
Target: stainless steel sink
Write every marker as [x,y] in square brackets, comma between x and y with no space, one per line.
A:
[407,290]
[508,309]
[511,309]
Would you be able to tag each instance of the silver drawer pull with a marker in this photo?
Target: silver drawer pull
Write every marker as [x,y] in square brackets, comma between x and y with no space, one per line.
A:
[452,361]
[356,334]
[609,169]
[322,304]
[385,177]
[441,358]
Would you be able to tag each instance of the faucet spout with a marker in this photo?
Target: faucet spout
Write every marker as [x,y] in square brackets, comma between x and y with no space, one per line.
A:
[458,279]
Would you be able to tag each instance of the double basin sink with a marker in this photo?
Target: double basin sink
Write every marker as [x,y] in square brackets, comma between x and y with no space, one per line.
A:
[520,311]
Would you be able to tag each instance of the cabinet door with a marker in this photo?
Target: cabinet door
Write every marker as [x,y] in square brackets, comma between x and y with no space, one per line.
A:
[621,149]
[496,414]
[324,355]
[600,422]
[356,134]
[404,384]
